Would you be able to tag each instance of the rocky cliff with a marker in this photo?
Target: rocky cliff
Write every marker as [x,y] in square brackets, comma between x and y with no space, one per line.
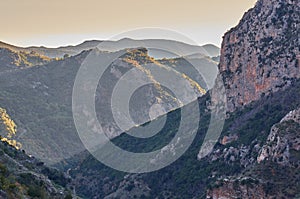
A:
[276,173]
[283,144]
[261,54]
[260,61]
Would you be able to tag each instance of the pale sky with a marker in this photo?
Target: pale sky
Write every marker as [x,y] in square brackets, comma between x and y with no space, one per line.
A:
[62,22]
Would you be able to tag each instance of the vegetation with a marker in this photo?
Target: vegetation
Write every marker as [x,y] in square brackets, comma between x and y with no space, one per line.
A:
[189,177]
[22,176]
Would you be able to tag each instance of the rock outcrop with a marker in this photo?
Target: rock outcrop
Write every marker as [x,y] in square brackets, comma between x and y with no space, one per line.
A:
[247,188]
[261,54]
[277,159]
[283,144]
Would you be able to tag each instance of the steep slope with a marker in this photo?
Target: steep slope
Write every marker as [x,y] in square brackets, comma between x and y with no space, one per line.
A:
[261,54]
[231,162]
[23,176]
[39,102]
[260,57]
[260,67]
[39,98]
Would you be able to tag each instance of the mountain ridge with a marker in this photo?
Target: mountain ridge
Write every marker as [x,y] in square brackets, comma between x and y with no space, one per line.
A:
[58,52]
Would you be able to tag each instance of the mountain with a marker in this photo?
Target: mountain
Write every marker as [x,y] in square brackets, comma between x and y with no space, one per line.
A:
[66,50]
[154,46]
[261,54]
[257,155]
[39,98]
[54,52]
[185,49]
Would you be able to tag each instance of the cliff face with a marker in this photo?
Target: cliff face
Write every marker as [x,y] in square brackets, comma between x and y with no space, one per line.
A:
[259,57]
[261,54]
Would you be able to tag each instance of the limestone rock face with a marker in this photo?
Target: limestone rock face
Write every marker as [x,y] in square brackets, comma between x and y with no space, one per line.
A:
[261,54]
[283,143]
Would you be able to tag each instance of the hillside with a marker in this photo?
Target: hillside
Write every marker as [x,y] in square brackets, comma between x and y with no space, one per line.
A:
[39,98]
[258,152]
[23,176]
[188,177]
[12,60]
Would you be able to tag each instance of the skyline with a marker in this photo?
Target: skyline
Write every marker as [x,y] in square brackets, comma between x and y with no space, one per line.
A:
[54,24]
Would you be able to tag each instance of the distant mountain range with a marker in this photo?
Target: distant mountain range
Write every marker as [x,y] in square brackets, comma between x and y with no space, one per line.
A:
[185,49]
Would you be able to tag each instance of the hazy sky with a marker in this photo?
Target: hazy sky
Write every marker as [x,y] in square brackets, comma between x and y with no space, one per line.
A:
[61,22]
